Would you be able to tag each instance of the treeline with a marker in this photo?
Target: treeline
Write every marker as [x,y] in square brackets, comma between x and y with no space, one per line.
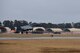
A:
[60,25]
[18,23]
[13,24]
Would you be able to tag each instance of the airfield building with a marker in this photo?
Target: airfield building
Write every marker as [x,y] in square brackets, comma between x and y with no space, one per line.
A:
[2,29]
[74,30]
[38,30]
[54,30]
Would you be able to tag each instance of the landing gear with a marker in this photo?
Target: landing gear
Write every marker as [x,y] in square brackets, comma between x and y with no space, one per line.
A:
[21,32]
[26,32]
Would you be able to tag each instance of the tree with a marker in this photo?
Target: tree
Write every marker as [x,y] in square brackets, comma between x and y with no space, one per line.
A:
[20,23]
[0,24]
[62,25]
[23,23]
[68,25]
[45,25]
[12,25]
[77,25]
[6,23]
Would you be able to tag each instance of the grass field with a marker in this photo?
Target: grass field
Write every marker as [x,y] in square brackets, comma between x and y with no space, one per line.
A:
[38,35]
[24,35]
[39,46]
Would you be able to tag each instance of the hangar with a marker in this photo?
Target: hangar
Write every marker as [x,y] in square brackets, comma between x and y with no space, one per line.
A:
[38,30]
[8,30]
[2,29]
[55,30]
[74,29]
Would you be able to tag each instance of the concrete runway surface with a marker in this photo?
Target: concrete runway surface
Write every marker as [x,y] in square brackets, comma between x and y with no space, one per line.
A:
[39,38]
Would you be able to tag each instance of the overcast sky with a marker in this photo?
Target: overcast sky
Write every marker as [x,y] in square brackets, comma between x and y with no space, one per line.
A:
[54,11]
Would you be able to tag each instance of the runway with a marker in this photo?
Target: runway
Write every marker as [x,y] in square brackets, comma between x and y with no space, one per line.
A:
[39,38]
